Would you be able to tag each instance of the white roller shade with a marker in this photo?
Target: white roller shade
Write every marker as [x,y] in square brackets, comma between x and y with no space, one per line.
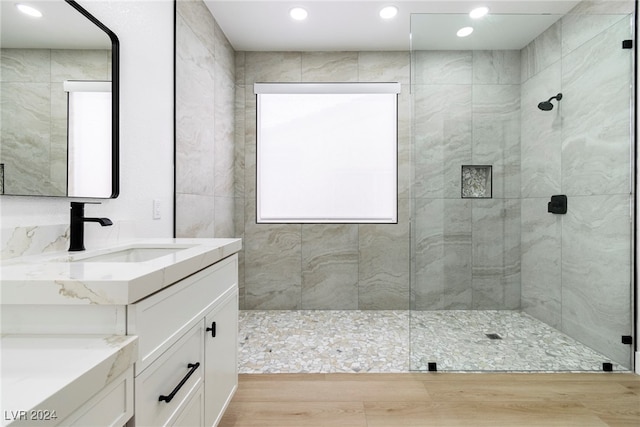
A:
[327,152]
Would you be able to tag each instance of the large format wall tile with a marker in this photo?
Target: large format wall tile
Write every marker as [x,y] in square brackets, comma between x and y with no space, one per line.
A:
[542,52]
[196,213]
[384,67]
[540,262]
[496,254]
[239,141]
[263,67]
[195,133]
[442,139]
[273,278]
[458,254]
[541,135]
[427,291]
[589,19]
[223,217]
[384,263]
[205,127]
[25,141]
[496,67]
[224,150]
[379,276]
[496,135]
[25,65]
[34,114]
[578,29]
[329,266]
[575,267]
[442,255]
[596,273]
[596,123]
[443,67]
[79,65]
[330,67]
[200,22]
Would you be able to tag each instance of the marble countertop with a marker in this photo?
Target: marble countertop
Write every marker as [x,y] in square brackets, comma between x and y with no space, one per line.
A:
[66,278]
[59,372]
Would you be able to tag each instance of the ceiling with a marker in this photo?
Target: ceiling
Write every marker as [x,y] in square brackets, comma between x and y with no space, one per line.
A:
[356,26]
[60,27]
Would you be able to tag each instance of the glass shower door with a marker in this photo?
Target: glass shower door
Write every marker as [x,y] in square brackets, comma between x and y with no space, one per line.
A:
[499,283]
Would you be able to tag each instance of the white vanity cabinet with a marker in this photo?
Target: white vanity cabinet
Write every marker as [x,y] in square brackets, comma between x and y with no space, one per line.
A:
[150,303]
[187,348]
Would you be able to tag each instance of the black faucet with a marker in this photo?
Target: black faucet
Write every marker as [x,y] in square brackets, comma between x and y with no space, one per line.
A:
[76,231]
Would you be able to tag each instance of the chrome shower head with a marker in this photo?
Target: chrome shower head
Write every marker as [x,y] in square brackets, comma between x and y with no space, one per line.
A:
[547,105]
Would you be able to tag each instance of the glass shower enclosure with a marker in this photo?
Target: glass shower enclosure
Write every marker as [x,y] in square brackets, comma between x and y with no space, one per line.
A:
[522,191]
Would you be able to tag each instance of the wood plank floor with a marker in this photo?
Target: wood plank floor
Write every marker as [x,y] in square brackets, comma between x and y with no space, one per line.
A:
[435,399]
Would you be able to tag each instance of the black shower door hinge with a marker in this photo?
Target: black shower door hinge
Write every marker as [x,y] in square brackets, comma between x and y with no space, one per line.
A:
[627,339]
[627,44]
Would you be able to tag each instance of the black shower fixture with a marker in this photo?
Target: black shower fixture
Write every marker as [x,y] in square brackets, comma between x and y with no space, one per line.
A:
[547,105]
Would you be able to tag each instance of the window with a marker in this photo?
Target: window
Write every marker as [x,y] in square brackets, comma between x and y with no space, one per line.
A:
[89,138]
[327,152]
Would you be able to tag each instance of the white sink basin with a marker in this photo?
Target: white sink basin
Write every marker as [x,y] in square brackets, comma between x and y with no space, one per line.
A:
[131,255]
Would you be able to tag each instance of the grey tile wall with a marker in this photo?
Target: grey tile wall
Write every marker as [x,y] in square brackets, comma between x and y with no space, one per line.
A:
[35,151]
[205,131]
[576,270]
[466,111]
[465,108]
[320,266]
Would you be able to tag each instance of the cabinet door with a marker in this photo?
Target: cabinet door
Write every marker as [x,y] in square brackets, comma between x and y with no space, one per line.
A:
[221,364]
[176,375]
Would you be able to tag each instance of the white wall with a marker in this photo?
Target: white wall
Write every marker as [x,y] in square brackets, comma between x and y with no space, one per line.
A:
[145,31]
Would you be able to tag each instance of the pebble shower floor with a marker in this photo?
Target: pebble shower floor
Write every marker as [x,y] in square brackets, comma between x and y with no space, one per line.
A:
[329,341]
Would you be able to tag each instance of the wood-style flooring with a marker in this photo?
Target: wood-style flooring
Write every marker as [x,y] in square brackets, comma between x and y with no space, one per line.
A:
[435,399]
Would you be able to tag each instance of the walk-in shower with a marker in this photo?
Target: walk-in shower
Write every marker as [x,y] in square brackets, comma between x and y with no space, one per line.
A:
[497,262]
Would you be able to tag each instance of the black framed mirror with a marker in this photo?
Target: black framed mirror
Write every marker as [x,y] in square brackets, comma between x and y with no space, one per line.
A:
[58,102]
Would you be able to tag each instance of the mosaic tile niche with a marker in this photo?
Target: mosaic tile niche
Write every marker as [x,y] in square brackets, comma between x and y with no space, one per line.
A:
[476,182]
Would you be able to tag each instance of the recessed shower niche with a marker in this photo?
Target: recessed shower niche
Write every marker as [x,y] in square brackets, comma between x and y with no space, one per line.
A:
[476,181]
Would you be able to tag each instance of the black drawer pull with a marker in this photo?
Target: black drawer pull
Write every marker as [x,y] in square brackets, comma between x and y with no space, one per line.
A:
[192,367]
[212,329]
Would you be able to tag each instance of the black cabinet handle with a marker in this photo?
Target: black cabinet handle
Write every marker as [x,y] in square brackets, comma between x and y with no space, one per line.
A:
[212,329]
[192,368]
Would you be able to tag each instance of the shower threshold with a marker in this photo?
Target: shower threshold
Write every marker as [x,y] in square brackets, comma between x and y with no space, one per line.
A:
[395,341]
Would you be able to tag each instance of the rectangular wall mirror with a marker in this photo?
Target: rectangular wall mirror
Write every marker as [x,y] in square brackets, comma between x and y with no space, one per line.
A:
[58,102]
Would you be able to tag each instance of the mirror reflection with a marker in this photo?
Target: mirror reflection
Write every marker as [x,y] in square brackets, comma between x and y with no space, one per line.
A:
[58,101]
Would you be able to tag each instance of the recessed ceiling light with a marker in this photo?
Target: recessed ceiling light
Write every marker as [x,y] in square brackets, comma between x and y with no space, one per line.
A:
[28,10]
[388,12]
[479,12]
[298,13]
[464,32]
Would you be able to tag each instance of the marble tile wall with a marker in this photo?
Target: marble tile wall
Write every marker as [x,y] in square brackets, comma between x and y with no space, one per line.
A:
[34,152]
[205,96]
[576,268]
[466,111]
[313,266]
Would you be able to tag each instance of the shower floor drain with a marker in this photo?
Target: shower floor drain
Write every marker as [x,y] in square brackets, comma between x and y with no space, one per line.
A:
[493,336]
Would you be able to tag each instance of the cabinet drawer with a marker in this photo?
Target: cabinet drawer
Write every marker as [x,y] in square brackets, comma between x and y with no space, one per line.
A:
[193,413]
[112,406]
[163,317]
[182,364]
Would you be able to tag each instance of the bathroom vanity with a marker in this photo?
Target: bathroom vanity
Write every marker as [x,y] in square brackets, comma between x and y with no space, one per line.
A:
[169,305]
